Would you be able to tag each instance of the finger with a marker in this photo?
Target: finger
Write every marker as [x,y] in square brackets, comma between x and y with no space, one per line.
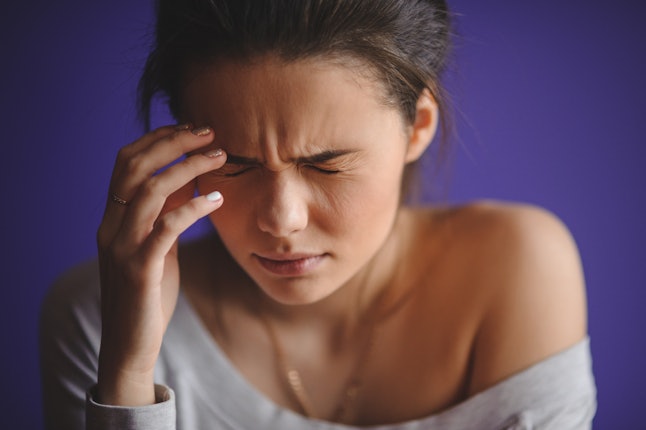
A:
[133,168]
[126,152]
[156,192]
[153,136]
[168,228]
[179,197]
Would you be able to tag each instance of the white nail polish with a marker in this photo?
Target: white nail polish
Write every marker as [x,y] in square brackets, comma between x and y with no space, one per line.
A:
[214,196]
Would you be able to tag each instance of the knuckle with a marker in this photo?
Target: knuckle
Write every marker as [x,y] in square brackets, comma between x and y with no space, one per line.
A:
[175,137]
[171,220]
[153,187]
[195,205]
[180,141]
[135,163]
[124,153]
[194,163]
[161,131]
[166,224]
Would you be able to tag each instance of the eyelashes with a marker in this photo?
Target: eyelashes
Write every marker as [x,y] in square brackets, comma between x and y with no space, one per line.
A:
[324,171]
[232,170]
[235,173]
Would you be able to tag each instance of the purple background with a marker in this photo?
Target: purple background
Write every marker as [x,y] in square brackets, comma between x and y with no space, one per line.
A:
[549,96]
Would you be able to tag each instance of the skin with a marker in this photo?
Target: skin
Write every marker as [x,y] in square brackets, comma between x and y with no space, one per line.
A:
[459,298]
[286,116]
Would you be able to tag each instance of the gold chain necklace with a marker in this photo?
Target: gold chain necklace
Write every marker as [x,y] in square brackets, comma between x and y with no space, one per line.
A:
[376,315]
[295,382]
[353,385]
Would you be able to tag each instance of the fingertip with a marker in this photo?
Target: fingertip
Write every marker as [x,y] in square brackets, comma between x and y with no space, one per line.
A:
[215,196]
[202,131]
[214,153]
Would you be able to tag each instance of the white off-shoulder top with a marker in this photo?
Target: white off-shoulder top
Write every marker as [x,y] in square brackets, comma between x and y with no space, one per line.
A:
[198,388]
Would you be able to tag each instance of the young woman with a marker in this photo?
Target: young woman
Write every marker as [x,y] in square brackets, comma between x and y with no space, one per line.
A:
[319,301]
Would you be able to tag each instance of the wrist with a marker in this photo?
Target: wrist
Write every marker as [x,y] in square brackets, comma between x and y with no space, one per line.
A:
[125,388]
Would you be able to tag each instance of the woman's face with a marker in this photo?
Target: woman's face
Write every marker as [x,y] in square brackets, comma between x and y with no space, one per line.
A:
[312,181]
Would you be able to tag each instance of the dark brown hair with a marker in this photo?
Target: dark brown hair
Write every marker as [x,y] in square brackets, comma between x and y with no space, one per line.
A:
[403,42]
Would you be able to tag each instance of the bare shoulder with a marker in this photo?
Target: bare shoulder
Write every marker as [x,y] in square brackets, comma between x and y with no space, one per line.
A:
[525,269]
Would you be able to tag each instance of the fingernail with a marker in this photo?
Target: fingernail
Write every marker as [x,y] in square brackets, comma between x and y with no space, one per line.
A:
[214,153]
[182,127]
[214,196]
[202,131]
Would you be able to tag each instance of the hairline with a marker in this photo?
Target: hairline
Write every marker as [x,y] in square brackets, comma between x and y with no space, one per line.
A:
[352,62]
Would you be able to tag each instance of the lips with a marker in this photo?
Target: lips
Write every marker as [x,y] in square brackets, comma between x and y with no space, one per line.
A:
[290,264]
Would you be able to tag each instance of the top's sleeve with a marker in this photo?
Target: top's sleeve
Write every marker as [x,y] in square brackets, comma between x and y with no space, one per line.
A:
[69,340]
[160,416]
[556,394]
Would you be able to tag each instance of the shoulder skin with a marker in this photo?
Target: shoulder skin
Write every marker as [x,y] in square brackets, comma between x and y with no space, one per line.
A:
[527,270]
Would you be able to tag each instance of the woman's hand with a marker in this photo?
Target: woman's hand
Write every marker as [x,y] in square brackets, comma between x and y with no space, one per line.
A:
[137,243]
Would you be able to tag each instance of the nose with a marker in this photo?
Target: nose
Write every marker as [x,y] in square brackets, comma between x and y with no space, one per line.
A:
[283,208]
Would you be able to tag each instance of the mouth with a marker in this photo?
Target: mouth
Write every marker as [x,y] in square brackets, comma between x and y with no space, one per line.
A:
[291,265]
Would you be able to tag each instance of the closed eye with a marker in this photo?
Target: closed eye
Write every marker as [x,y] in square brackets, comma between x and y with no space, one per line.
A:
[322,170]
[238,172]
[231,170]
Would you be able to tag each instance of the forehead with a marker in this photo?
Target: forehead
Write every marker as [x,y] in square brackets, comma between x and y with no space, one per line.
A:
[269,97]
[268,78]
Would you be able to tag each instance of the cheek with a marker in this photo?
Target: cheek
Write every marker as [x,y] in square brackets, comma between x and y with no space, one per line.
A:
[336,204]
[233,189]
[208,183]
[230,217]
[349,206]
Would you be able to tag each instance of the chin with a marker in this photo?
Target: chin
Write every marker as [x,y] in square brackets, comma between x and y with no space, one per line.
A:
[295,292]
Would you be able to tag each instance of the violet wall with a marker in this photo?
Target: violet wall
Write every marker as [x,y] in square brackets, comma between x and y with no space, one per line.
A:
[550,105]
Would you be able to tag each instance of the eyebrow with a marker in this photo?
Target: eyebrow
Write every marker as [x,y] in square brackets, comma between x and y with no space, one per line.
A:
[321,157]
